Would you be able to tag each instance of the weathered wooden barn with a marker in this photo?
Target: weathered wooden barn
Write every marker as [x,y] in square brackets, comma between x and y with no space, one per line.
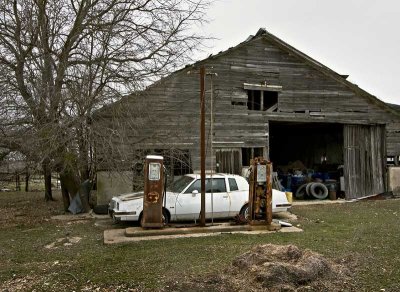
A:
[264,97]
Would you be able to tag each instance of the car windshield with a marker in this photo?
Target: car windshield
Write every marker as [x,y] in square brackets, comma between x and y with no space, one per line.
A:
[180,184]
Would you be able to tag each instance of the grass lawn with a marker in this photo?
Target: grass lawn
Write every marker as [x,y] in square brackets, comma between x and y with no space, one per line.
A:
[364,235]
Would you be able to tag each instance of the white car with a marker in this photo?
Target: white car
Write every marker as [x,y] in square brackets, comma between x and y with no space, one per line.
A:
[183,200]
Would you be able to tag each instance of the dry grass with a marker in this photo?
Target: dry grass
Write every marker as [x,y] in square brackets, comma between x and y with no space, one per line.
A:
[363,236]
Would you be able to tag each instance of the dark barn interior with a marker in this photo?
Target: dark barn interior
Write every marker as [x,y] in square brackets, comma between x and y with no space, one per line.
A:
[315,147]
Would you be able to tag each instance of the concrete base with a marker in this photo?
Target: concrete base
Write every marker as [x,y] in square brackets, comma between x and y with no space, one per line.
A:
[134,234]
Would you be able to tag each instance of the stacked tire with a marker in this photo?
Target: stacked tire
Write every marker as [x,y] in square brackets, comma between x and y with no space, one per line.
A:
[316,190]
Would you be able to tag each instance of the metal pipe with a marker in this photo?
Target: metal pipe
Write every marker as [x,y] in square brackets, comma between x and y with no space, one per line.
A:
[211,147]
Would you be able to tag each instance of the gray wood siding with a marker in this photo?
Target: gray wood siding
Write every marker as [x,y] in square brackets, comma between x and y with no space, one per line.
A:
[169,110]
[364,160]
[393,139]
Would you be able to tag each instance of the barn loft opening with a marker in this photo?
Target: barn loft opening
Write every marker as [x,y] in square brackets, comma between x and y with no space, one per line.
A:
[262,100]
[314,147]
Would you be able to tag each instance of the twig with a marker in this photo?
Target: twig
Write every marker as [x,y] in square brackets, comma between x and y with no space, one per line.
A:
[72,275]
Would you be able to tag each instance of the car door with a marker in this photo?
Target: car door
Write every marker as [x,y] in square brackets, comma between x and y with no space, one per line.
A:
[188,203]
[217,198]
[238,194]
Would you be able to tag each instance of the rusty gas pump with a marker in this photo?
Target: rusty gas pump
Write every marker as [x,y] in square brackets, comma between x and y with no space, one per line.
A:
[260,192]
[153,192]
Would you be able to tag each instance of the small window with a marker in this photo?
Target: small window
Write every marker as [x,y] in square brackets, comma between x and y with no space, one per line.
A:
[195,186]
[254,100]
[270,99]
[233,185]
[217,186]
[258,100]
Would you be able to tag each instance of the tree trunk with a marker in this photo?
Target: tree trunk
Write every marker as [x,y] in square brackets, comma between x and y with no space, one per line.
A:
[65,195]
[48,195]
[27,176]
[17,183]
[72,187]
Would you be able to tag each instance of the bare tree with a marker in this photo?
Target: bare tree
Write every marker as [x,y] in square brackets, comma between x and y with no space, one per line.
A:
[62,60]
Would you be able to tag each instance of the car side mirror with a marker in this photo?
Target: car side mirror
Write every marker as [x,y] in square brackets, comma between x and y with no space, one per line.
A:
[194,193]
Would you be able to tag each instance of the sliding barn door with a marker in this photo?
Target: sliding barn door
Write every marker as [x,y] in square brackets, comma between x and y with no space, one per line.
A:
[229,160]
[364,160]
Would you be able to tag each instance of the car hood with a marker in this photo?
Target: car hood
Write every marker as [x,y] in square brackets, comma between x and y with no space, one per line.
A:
[135,196]
[131,196]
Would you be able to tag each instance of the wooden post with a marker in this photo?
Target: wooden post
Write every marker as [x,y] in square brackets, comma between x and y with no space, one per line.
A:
[251,191]
[269,193]
[202,148]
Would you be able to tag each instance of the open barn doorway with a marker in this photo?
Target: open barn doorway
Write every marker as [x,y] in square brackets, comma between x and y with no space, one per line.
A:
[304,152]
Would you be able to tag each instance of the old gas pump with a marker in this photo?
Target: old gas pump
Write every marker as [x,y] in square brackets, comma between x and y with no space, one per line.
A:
[260,192]
[153,192]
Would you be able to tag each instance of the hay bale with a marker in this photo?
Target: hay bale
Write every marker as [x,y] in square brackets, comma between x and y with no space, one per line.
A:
[272,267]
[284,267]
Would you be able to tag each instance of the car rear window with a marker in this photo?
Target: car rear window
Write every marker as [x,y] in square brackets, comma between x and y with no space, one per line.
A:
[233,185]
[218,185]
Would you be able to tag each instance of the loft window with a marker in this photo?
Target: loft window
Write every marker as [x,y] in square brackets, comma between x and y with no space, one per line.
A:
[261,100]
[262,97]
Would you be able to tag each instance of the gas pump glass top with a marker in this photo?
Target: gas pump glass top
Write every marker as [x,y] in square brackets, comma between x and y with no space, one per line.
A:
[154,171]
[261,173]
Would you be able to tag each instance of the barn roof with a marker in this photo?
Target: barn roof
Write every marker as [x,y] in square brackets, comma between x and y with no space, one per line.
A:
[263,33]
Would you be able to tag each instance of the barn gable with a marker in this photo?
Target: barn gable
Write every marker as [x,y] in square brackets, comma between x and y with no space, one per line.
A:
[268,99]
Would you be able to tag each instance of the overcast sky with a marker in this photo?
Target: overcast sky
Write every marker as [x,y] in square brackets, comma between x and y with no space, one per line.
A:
[360,38]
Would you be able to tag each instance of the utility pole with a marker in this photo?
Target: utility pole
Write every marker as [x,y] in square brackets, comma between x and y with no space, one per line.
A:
[202,148]
[203,74]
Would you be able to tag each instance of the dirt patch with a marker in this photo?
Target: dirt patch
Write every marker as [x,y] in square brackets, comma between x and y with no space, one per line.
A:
[274,268]
[20,209]
[61,282]
[64,241]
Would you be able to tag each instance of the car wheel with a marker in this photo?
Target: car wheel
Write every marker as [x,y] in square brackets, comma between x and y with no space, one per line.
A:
[100,209]
[319,191]
[245,211]
[140,221]
[114,219]
[165,217]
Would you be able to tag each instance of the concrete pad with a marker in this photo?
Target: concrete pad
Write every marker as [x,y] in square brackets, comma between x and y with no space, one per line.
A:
[217,228]
[114,236]
[318,202]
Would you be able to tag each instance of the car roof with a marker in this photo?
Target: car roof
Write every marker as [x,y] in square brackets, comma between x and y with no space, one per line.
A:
[214,175]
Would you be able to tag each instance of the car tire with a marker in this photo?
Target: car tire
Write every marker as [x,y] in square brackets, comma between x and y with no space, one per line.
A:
[245,211]
[100,209]
[165,217]
[301,192]
[319,191]
[308,188]
[140,220]
[114,219]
